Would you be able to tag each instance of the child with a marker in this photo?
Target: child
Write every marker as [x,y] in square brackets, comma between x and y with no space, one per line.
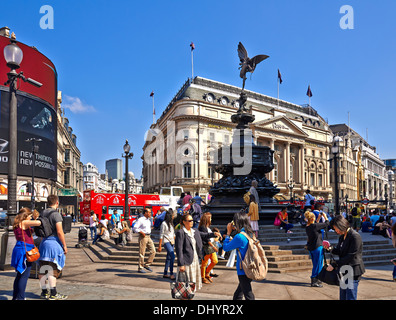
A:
[218,245]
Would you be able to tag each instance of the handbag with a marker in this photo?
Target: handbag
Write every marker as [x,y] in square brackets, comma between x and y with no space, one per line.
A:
[33,254]
[182,289]
[330,277]
[277,221]
[208,249]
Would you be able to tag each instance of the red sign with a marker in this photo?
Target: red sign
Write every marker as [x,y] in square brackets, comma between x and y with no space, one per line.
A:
[365,201]
[36,66]
[106,203]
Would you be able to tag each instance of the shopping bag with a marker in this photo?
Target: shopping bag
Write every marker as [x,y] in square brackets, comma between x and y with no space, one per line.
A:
[231,259]
[182,289]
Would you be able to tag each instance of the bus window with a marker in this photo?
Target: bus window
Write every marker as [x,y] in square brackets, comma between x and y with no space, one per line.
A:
[177,192]
[120,210]
[135,210]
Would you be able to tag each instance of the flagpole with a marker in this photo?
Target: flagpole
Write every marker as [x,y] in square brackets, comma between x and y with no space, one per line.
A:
[192,46]
[153,111]
[278,91]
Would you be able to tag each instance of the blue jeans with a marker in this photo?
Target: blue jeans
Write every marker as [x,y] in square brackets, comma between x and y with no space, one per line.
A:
[394,272]
[349,294]
[170,258]
[317,258]
[20,283]
[93,232]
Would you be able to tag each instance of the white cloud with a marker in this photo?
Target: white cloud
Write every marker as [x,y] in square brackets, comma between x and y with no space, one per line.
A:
[75,105]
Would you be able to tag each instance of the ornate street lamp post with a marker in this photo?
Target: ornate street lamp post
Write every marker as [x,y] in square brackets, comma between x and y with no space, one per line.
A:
[391,178]
[291,186]
[335,150]
[128,155]
[13,56]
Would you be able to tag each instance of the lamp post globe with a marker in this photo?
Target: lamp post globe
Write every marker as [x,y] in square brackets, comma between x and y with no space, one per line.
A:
[335,148]
[13,55]
[127,147]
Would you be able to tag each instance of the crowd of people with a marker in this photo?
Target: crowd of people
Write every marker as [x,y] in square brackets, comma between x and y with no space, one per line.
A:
[188,235]
[349,248]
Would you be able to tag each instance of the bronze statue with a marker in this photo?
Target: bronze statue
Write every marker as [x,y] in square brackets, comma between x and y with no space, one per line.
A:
[247,64]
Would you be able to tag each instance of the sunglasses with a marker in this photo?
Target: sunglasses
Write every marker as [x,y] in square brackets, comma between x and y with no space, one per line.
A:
[189,220]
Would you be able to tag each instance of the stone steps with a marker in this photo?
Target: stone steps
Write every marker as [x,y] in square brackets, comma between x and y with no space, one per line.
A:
[283,256]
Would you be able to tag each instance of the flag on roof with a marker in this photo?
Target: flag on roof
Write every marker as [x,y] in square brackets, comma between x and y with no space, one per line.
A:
[280,77]
[309,92]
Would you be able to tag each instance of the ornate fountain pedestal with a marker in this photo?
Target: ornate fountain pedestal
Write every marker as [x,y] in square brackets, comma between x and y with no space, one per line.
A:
[240,164]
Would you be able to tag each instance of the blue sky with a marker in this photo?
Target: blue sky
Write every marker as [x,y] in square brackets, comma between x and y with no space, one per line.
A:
[111,54]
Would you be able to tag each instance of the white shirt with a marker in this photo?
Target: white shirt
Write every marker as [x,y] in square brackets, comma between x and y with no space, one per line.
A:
[167,234]
[143,225]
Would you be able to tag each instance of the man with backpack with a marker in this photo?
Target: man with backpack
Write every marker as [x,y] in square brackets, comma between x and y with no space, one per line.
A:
[53,250]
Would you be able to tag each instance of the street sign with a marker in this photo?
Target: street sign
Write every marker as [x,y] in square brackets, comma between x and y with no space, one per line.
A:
[365,201]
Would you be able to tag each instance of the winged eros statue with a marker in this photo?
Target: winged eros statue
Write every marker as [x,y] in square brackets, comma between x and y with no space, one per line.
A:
[247,64]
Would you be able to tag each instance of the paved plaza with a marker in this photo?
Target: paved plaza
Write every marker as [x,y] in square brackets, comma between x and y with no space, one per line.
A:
[84,279]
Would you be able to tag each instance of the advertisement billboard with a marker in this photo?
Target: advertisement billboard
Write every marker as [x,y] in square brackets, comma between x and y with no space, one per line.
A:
[34,65]
[36,119]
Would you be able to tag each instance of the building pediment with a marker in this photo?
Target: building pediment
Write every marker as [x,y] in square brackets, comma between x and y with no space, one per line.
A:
[281,124]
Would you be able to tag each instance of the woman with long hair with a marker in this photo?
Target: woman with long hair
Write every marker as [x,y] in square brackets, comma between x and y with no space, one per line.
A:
[253,214]
[23,234]
[167,237]
[210,250]
[240,242]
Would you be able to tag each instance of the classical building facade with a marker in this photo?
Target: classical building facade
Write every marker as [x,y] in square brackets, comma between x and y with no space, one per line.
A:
[362,172]
[178,147]
[70,167]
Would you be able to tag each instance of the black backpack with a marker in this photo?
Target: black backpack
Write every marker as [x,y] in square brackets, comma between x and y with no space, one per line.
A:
[45,229]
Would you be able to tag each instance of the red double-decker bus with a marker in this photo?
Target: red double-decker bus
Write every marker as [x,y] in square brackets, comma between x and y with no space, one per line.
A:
[106,203]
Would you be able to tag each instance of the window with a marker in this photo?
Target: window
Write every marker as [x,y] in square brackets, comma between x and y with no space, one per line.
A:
[67,155]
[275,170]
[312,179]
[187,170]
[320,180]
[67,176]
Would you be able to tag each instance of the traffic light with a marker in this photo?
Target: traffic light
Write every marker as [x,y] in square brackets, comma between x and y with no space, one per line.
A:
[29,187]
